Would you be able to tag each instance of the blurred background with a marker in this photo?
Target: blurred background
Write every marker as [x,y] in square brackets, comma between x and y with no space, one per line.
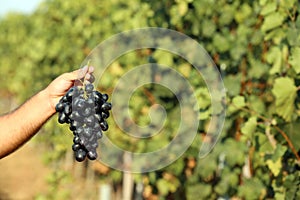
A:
[256,47]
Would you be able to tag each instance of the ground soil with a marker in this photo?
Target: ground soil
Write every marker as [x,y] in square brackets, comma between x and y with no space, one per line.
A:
[23,174]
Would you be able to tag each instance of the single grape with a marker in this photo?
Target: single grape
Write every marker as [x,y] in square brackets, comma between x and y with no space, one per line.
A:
[106,106]
[94,145]
[79,130]
[76,147]
[80,155]
[70,94]
[92,155]
[88,132]
[98,117]
[67,109]
[80,104]
[105,97]
[65,99]
[90,101]
[59,107]
[105,114]
[76,140]
[104,125]
[89,88]
[89,121]
[86,111]
[75,115]
[62,118]
[99,134]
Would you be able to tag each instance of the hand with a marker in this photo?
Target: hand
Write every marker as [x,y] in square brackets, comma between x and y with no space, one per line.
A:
[58,87]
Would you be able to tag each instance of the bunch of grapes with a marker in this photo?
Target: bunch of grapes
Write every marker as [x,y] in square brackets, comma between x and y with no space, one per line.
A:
[86,111]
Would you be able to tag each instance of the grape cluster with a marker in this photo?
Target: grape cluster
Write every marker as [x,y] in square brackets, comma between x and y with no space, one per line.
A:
[86,111]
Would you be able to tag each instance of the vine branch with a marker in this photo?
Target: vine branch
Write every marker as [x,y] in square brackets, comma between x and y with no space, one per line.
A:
[284,135]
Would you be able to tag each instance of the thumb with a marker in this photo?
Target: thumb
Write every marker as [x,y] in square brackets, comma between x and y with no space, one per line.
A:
[77,74]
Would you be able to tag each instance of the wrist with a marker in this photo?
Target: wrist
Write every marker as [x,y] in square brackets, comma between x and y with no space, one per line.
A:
[45,97]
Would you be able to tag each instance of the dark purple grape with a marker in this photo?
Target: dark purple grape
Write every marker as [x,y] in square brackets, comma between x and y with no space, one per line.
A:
[98,97]
[76,147]
[83,141]
[90,101]
[94,145]
[90,120]
[77,124]
[104,125]
[99,134]
[91,79]
[105,97]
[75,115]
[79,130]
[98,117]
[70,94]
[65,99]
[88,132]
[76,140]
[106,106]
[80,155]
[80,104]
[59,107]
[86,111]
[105,114]
[68,109]
[89,88]
[92,155]
[62,118]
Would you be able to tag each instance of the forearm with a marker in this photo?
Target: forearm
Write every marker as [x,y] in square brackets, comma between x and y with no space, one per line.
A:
[20,125]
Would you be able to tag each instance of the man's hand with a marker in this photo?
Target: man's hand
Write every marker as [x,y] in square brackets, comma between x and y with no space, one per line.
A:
[58,87]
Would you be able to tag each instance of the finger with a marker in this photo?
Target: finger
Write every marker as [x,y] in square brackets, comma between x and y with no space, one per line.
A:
[70,76]
[82,72]
[91,69]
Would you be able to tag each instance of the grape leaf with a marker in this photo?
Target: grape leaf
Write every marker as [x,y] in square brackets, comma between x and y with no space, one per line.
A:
[239,101]
[284,91]
[250,126]
[274,57]
[275,167]
[272,21]
[268,8]
[294,59]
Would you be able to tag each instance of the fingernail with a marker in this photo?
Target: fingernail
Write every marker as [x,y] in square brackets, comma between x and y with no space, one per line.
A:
[84,68]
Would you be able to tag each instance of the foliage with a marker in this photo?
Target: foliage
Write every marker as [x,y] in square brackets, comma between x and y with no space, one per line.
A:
[256,46]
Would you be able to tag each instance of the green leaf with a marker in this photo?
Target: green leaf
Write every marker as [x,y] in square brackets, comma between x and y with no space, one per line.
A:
[209,28]
[269,8]
[221,43]
[251,189]
[193,191]
[293,36]
[231,85]
[275,167]
[239,101]
[244,13]
[284,91]
[163,186]
[294,59]
[272,21]
[279,152]
[274,57]
[250,126]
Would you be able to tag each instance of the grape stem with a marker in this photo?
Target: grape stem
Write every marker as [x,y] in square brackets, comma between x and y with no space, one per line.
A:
[84,79]
[88,66]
